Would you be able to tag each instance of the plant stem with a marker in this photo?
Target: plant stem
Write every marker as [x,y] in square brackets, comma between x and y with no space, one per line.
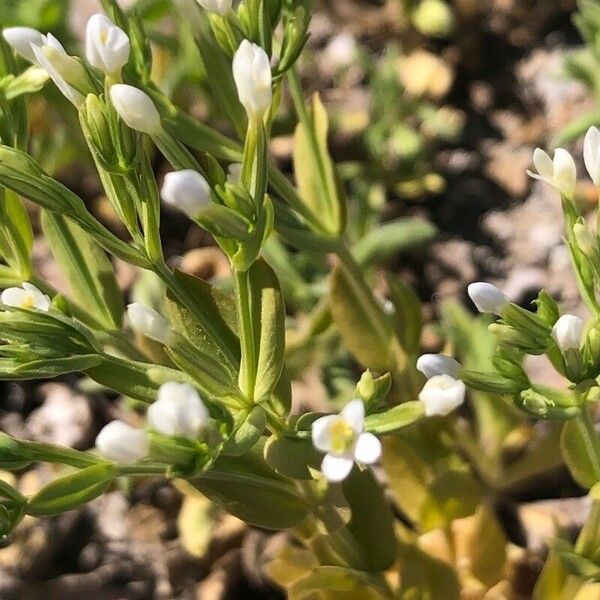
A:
[248,360]
[592,438]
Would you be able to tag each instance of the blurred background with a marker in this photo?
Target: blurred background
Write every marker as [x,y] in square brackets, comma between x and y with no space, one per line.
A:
[435,109]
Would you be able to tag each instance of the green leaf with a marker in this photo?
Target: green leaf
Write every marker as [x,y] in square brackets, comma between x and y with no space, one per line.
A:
[389,239]
[372,522]
[395,418]
[134,379]
[366,330]
[47,368]
[408,314]
[314,170]
[338,582]
[252,426]
[452,495]
[267,325]
[16,235]
[245,487]
[581,451]
[292,457]
[86,268]
[218,309]
[425,577]
[72,491]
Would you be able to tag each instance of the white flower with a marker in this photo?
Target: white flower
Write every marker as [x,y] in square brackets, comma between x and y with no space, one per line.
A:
[148,322]
[178,411]
[591,154]
[442,394]
[186,190]
[344,440]
[106,45]
[234,173]
[487,297]
[438,364]
[67,72]
[218,6]
[560,173]
[21,39]
[27,296]
[567,332]
[340,51]
[136,108]
[252,75]
[122,443]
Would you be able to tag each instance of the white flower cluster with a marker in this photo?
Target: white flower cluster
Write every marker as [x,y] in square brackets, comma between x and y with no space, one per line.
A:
[179,410]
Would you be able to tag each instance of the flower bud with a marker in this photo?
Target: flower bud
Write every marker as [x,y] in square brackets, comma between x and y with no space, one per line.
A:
[186,190]
[106,45]
[567,332]
[217,6]
[586,240]
[122,443]
[591,154]
[21,38]
[28,297]
[487,297]
[66,71]
[148,322]
[252,75]
[178,411]
[136,108]
[438,364]
[559,172]
[442,394]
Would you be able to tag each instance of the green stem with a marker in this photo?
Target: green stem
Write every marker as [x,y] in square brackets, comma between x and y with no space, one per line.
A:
[142,469]
[248,360]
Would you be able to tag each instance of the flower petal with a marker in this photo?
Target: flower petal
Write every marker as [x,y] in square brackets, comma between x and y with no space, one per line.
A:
[543,164]
[336,468]
[354,414]
[321,433]
[13,296]
[368,449]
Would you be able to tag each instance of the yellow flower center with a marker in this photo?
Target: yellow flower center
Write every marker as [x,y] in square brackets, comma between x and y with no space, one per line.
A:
[342,436]
[28,302]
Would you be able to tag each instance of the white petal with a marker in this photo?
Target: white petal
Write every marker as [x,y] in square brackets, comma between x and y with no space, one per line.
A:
[321,434]
[441,395]
[543,164]
[591,153]
[368,449]
[354,414]
[14,296]
[438,364]
[565,172]
[336,468]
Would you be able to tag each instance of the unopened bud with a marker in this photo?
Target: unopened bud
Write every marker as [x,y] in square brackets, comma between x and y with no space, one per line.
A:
[186,190]
[442,394]
[438,364]
[252,75]
[136,109]
[487,297]
[567,332]
[148,322]
[122,443]
[178,411]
